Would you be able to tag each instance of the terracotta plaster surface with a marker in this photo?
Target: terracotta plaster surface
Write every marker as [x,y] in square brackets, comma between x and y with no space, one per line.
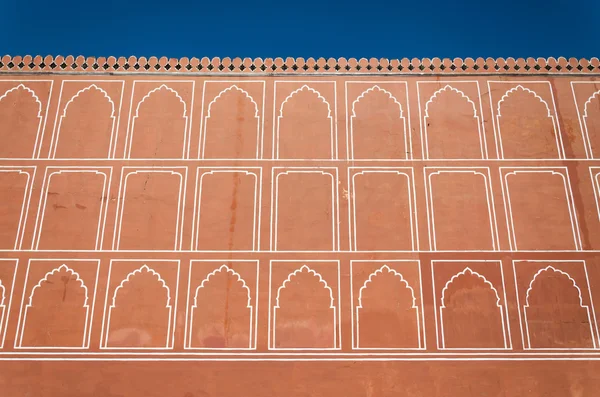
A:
[318,227]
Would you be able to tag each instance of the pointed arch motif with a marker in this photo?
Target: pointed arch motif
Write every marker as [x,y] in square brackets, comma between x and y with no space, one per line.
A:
[50,321]
[166,149]
[232,140]
[475,147]
[224,269]
[306,320]
[392,330]
[86,151]
[160,282]
[511,145]
[322,132]
[19,132]
[562,332]
[385,130]
[488,333]
[592,125]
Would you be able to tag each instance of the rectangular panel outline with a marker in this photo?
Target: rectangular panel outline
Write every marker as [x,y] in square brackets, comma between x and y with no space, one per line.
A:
[172,319]
[349,126]
[564,172]
[260,143]
[587,144]
[338,317]
[594,174]
[422,329]
[335,207]
[497,135]
[423,114]
[90,316]
[188,113]
[106,171]
[257,172]
[505,313]
[37,148]
[591,310]
[253,338]
[181,171]
[8,306]
[334,121]
[409,172]
[26,201]
[428,171]
[115,130]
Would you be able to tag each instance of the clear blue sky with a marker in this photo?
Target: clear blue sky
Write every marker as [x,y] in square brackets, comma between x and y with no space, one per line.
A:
[302,28]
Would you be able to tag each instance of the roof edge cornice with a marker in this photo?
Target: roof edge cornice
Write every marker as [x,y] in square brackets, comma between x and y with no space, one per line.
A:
[295,66]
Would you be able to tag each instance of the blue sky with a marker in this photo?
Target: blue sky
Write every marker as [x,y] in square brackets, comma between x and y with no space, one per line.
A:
[302,28]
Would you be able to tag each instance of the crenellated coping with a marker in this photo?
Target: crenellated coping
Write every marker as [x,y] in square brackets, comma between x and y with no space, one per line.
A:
[70,63]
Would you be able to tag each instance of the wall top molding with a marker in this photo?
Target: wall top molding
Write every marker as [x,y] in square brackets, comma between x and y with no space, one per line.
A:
[297,66]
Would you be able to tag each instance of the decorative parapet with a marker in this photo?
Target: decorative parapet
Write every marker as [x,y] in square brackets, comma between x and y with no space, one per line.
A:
[375,66]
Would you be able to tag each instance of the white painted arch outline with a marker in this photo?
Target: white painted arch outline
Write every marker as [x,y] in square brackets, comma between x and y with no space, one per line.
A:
[227,269]
[253,171]
[470,263]
[162,87]
[215,265]
[404,171]
[407,139]
[280,115]
[126,172]
[22,87]
[480,131]
[307,270]
[550,115]
[415,307]
[85,343]
[56,135]
[592,323]
[256,116]
[595,96]
[106,172]
[505,172]
[146,269]
[484,172]
[499,305]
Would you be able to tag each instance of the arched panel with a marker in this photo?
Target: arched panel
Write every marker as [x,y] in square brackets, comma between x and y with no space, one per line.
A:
[222,314]
[387,314]
[378,126]
[304,314]
[526,126]
[139,315]
[86,125]
[159,127]
[305,126]
[471,313]
[232,126]
[21,121]
[57,311]
[452,126]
